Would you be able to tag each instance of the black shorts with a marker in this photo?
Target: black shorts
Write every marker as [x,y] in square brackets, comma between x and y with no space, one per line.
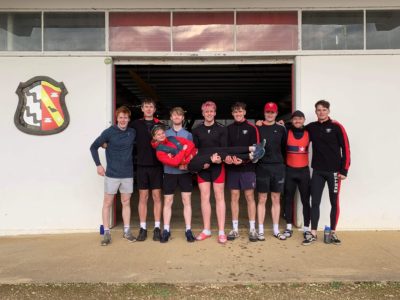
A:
[172,181]
[149,178]
[240,180]
[215,173]
[270,178]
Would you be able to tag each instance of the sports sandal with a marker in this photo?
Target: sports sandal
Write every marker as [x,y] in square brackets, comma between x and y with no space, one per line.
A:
[280,236]
[202,236]
[288,233]
[222,239]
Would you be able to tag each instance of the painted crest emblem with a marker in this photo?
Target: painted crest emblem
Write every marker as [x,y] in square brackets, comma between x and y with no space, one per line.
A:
[41,108]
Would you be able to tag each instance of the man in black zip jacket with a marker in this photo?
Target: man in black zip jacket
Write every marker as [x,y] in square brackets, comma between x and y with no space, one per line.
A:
[241,175]
[149,169]
[330,163]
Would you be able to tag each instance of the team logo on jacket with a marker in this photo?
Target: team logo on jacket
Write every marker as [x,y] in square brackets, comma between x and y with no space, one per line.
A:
[41,108]
[245,131]
[328,130]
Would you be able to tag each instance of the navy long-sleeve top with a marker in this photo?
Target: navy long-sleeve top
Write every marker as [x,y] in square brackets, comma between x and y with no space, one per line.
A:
[118,152]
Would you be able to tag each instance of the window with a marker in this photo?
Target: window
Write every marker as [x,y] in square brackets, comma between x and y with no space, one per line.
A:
[266,31]
[203,31]
[140,31]
[333,30]
[78,31]
[383,29]
[20,32]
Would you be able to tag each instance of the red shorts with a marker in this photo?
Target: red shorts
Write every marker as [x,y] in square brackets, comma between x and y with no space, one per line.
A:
[215,173]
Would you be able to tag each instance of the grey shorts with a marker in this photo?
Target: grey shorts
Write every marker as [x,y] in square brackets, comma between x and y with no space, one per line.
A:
[112,185]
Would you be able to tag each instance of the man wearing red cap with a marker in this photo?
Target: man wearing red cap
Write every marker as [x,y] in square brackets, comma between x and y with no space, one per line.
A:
[271,169]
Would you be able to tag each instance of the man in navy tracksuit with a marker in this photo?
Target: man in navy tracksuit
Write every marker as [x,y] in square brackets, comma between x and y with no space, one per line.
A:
[330,163]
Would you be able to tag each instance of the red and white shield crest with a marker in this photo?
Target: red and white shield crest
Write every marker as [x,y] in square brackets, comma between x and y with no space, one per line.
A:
[41,108]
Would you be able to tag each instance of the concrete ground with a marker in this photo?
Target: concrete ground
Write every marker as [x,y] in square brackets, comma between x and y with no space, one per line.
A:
[363,256]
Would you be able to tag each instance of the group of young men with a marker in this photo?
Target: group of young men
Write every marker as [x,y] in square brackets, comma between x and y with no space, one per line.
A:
[267,158]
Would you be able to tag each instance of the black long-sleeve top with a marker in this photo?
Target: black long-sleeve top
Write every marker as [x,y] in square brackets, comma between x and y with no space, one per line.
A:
[276,140]
[209,136]
[331,148]
[242,134]
[146,155]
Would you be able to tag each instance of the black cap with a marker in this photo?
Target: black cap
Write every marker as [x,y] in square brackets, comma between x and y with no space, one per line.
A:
[298,113]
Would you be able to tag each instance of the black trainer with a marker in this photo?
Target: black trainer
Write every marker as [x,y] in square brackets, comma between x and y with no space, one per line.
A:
[156,234]
[142,235]
[190,236]
[334,239]
[309,240]
[165,236]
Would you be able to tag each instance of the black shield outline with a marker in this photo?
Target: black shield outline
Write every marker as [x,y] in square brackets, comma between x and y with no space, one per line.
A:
[21,102]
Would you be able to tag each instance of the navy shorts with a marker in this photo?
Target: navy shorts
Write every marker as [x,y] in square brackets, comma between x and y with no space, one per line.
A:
[149,178]
[240,180]
[172,181]
[270,178]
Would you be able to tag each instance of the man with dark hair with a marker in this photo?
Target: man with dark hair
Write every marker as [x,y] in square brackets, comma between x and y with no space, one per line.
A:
[241,174]
[330,163]
[297,172]
[270,173]
[119,173]
[149,170]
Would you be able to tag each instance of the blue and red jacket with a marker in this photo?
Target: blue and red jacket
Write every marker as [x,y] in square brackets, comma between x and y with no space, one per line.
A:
[170,153]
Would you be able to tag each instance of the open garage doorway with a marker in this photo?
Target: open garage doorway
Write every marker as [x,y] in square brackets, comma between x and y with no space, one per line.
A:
[189,86]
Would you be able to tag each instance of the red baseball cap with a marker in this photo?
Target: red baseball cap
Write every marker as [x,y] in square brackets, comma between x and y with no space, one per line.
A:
[271,106]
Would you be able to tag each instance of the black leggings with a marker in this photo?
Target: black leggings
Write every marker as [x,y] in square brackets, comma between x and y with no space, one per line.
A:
[204,156]
[317,186]
[297,177]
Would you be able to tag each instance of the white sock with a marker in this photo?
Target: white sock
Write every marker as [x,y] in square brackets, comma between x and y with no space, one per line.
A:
[252,225]
[261,228]
[235,225]
[143,225]
[275,228]
[306,228]
[289,226]
[107,229]
[166,227]
[157,224]
[207,231]
[221,232]
[188,227]
[126,229]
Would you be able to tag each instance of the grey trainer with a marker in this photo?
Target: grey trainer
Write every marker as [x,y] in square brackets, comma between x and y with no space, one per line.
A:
[106,239]
[233,234]
[129,236]
[253,236]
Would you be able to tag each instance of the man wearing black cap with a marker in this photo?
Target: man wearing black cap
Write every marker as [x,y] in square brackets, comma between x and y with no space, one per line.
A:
[297,172]
[270,172]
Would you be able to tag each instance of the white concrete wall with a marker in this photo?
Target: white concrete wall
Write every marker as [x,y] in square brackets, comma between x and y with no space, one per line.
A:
[49,183]
[364,93]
